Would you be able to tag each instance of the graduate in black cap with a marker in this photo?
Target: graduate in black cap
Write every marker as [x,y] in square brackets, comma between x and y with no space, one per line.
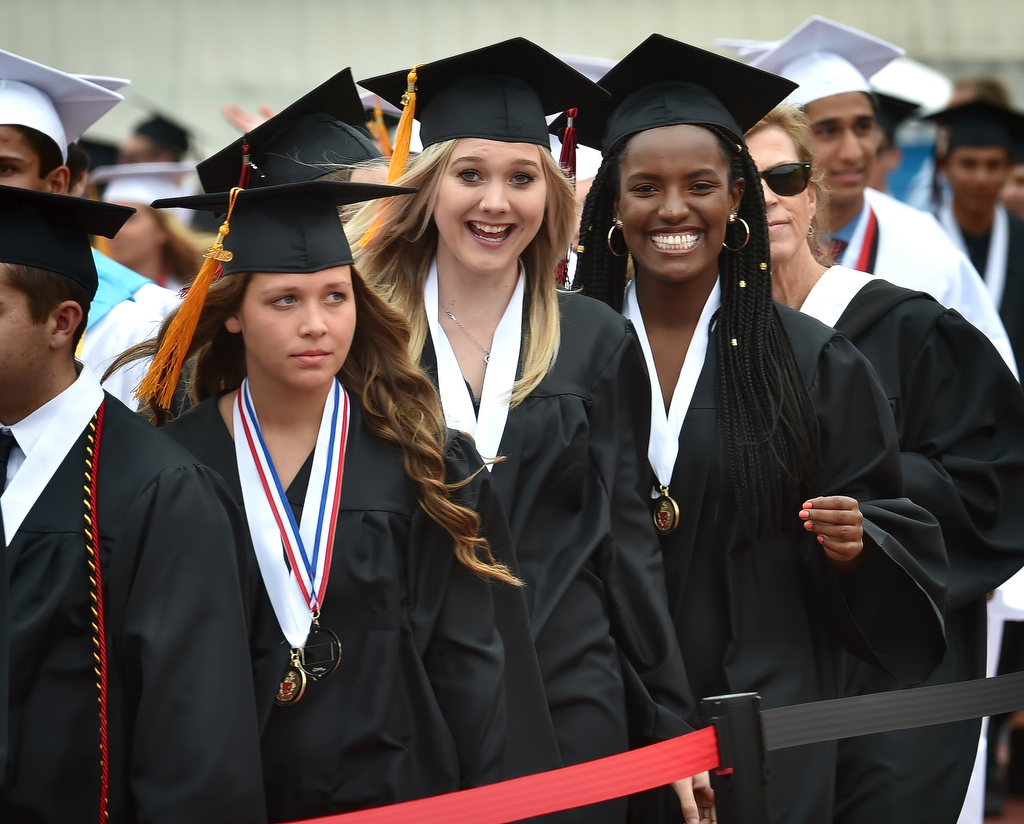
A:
[549,383]
[961,439]
[773,457]
[977,163]
[157,140]
[377,663]
[141,569]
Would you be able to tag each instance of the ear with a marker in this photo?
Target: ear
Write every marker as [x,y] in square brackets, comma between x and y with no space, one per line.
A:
[63,322]
[812,198]
[736,194]
[233,324]
[58,181]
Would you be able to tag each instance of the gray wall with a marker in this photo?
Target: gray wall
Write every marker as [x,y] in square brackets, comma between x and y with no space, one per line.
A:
[188,57]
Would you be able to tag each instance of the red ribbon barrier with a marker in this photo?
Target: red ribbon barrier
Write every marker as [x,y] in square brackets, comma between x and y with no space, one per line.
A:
[549,792]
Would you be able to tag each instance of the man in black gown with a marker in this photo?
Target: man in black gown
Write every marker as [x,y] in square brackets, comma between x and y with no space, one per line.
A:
[176,706]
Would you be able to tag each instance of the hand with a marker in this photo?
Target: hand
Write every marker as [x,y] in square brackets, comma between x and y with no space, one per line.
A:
[697,799]
[839,525]
[245,121]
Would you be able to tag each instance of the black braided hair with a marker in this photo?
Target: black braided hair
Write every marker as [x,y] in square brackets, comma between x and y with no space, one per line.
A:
[768,428]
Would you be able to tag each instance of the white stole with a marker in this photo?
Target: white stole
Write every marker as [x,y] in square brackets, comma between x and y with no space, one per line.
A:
[78,405]
[998,248]
[833,292]
[663,448]
[499,378]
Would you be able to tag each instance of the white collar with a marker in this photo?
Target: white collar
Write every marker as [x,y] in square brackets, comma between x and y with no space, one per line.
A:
[46,436]
[663,447]
[998,247]
[833,292]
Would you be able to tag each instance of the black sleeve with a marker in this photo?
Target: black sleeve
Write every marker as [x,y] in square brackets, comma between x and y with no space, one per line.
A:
[194,753]
[889,609]
[963,456]
[630,562]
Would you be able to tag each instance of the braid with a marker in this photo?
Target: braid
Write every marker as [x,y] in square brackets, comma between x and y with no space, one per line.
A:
[768,425]
[599,273]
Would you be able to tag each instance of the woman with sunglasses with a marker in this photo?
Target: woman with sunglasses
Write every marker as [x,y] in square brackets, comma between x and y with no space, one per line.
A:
[774,475]
[960,417]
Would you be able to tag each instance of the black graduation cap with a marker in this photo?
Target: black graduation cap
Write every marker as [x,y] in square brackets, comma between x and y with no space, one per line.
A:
[891,111]
[980,123]
[293,227]
[500,92]
[318,133]
[665,82]
[51,232]
[165,133]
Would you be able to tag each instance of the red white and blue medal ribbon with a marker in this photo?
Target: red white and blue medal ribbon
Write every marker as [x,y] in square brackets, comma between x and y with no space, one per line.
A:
[296,580]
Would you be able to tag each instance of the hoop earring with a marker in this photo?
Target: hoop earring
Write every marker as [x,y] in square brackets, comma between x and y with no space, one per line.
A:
[616,224]
[810,231]
[733,219]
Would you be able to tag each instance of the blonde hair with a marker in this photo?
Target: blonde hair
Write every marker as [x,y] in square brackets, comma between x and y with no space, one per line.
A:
[182,254]
[396,259]
[795,124]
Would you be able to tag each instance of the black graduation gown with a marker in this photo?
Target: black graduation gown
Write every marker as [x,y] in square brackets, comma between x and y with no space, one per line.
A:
[770,615]
[960,416]
[416,706]
[570,483]
[1011,308]
[182,717]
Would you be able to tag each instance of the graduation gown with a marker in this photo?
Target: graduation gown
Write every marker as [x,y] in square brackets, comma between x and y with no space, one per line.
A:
[416,706]
[183,737]
[912,250]
[770,615]
[571,485]
[1011,307]
[959,413]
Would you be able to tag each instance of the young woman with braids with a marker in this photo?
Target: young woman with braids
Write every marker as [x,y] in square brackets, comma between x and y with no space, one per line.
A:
[373,535]
[551,384]
[775,471]
[961,440]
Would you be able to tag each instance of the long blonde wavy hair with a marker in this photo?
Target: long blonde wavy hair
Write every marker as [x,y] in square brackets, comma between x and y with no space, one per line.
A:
[403,243]
[398,401]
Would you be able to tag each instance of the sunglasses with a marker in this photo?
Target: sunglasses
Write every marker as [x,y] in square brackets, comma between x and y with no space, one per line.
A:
[787,179]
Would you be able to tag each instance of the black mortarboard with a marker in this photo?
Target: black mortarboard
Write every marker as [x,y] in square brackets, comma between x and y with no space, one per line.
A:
[980,123]
[891,111]
[500,92]
[51,232]
[318,133]
[289,228]
[664,82]
[165,133]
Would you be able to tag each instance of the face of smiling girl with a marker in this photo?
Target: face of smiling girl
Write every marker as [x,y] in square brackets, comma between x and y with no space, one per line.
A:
[489,206]
[674,201]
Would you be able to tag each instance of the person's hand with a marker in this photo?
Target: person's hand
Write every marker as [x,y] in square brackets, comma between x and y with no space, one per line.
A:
[245,121]
[697,799]
[839,525]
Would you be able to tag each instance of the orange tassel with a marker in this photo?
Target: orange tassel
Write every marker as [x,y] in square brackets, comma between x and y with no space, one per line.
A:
[162,378]
[379,130]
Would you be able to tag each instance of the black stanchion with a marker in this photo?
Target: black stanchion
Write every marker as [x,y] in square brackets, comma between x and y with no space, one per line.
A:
[741,780]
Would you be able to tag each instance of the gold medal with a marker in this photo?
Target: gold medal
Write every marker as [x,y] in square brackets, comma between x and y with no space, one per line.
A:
[293,684]
[666,513]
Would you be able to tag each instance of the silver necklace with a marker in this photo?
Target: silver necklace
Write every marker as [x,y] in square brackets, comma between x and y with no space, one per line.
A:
[472,337]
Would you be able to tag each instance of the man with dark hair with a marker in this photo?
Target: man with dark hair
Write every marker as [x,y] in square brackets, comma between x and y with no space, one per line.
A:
[131,596]
[157,140]
[42,110]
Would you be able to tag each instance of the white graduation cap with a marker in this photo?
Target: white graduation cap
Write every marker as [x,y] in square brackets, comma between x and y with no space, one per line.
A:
[60,105]
[143,182]
[827,58]
[109,83]
[747,49]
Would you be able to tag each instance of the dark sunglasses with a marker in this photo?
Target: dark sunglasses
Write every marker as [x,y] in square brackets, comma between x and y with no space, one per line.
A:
[787,179]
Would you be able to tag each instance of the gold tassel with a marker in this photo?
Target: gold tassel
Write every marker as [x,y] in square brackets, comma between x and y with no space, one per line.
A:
[379,130]
[162,378]
[400,154]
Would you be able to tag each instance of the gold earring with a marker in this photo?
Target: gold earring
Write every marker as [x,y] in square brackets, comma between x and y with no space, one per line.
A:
[616,224]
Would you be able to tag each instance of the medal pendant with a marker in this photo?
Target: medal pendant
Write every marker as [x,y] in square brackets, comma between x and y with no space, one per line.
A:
[666,513]
[321,653]
[293,684]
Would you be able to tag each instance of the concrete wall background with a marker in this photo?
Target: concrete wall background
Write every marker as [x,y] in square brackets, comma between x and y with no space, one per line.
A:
[189,57]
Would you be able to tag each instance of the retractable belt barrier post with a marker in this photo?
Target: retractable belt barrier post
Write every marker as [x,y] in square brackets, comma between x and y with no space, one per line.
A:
[734,746]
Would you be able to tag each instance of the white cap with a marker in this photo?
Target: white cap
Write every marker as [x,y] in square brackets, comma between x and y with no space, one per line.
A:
[747,49]
[109,83]
[827,58]
[142,182]
[60,105]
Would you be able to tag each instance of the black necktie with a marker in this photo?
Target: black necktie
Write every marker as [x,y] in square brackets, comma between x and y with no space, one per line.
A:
[7,443]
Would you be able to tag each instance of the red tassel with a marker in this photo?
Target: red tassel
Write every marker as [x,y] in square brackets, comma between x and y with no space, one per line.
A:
[243,178]
[567,160]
